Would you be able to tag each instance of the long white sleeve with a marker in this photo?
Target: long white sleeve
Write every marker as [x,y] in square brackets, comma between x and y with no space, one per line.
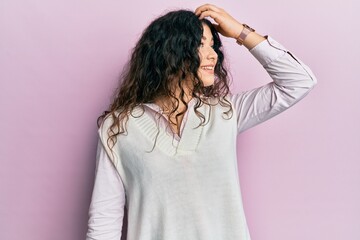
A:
[106,210]
[292,80]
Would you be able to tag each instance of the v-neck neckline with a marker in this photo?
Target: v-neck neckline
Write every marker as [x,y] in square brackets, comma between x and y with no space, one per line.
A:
[190,131]
[157,109]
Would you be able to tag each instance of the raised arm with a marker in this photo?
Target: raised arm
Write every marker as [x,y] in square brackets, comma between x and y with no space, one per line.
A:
[292,79]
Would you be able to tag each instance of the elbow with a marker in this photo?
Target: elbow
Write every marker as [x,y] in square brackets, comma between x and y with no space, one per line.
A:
[289,95]
[308,84]
[311,78]
[311,82]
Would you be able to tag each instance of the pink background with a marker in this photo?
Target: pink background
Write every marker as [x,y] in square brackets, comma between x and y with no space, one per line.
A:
[59,64]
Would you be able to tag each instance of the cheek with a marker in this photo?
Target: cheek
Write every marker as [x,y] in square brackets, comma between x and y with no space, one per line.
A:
[200,57]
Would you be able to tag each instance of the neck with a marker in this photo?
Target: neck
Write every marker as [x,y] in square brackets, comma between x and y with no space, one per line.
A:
[176,103]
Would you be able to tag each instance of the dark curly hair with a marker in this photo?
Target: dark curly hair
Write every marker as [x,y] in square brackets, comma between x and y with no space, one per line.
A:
[166,54]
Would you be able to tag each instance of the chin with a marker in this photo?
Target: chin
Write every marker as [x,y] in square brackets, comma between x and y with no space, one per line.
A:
[208,82]
[207,79]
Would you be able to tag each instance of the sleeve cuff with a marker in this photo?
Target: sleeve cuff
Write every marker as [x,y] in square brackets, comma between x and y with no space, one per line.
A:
[268,51]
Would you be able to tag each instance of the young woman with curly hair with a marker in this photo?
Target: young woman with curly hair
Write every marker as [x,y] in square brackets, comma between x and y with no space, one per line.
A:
[166,158]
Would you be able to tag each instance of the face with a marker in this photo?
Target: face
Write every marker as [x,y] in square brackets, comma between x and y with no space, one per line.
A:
[208,57]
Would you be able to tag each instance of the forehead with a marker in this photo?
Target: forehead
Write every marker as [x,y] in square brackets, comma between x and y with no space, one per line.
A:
[207,35]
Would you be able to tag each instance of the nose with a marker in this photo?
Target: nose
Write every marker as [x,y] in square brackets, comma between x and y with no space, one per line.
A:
[212,54]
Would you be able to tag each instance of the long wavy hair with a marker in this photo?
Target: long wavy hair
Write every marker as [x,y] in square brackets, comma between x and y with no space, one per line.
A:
[166,54]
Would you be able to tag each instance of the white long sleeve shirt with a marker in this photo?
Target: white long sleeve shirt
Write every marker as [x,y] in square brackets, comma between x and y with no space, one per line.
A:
[187,188]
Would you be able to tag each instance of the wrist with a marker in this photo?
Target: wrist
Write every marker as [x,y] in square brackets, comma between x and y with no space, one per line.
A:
[244,32]
[238,30]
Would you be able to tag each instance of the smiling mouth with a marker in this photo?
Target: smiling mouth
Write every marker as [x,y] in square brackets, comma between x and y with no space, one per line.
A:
[208,67]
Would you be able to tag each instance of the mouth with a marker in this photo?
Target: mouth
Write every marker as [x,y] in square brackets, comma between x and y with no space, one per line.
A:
[208,68]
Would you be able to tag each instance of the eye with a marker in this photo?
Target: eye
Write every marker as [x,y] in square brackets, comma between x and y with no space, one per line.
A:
[202,44]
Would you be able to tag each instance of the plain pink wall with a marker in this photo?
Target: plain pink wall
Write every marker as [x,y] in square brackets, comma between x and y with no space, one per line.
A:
[59,63]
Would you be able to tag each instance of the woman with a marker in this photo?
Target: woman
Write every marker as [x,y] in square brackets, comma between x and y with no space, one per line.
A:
[166,160]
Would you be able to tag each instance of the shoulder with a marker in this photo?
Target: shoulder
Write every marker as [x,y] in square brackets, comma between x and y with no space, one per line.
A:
[221,102]
[220,106]
[107,123]
[214,101]
[117,121]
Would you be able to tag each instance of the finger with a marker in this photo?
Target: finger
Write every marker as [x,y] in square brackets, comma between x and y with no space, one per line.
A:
[214,15]
[206,7]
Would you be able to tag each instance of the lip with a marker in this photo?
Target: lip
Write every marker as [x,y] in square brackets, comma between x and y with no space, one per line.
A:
[210,71]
